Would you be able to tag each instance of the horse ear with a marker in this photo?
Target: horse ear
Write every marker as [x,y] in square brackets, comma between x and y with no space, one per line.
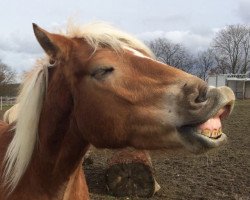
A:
[54,45]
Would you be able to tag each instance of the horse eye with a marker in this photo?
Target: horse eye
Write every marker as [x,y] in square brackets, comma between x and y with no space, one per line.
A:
[102,72]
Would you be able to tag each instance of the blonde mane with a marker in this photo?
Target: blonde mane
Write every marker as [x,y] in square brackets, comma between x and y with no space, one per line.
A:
[100,34]
[32,94]
[30,102]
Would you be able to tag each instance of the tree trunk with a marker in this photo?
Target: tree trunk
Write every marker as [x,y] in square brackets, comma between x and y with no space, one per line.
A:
[130,173]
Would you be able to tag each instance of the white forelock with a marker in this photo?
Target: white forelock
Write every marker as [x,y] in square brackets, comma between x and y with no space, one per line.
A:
[100,34]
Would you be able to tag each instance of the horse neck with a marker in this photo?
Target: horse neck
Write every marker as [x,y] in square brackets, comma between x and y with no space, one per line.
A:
[60,145]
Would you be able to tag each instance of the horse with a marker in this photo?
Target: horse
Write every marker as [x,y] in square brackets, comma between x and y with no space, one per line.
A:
[101,86]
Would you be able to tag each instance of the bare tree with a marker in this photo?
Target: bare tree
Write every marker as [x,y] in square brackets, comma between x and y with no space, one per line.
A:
[222,66]
[7,75]
[246,53]
[172,54]
[205,63]
[232,45]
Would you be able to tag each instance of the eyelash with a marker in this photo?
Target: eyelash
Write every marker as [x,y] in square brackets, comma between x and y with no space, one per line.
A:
[101,72]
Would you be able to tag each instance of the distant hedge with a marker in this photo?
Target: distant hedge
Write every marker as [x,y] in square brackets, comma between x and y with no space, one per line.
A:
[9,90]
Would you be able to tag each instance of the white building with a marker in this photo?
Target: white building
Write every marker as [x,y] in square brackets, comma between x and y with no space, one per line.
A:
[239,83]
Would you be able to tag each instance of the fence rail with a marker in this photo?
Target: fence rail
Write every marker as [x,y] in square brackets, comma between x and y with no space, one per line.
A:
[6,101]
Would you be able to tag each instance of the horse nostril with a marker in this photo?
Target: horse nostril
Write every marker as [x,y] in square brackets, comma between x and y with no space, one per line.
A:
[202,97]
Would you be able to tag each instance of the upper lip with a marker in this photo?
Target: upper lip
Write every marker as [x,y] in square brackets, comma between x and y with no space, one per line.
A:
[223,112]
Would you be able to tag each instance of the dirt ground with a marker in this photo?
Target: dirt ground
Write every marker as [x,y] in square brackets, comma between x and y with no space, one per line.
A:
[222,174]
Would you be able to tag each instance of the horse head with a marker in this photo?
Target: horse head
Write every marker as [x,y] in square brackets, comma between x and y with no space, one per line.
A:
[122,96]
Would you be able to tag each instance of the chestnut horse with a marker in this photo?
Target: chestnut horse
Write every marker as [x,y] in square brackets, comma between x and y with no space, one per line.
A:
[100,86]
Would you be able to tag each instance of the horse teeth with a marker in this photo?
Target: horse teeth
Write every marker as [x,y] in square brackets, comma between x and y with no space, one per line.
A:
[220,131]
[215,133]
[206,132]
[211,133]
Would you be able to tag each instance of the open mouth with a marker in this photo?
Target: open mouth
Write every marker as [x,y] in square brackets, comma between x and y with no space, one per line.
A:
[212,128]
[205,135]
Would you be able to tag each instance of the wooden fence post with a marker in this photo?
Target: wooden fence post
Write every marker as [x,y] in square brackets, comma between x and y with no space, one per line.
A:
[1,103]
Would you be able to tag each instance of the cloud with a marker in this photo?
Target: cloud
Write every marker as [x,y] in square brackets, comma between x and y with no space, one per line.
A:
[19,51]
[19,43]
[243,11]
[191,40]
[167,22]
[191,24]
[19,61]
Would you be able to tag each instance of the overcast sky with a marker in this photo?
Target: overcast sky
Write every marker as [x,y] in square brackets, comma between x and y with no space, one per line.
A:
[191,22]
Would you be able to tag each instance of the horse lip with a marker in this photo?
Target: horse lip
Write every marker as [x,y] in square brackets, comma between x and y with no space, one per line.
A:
[228,107]
[198,143]
[223,111]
